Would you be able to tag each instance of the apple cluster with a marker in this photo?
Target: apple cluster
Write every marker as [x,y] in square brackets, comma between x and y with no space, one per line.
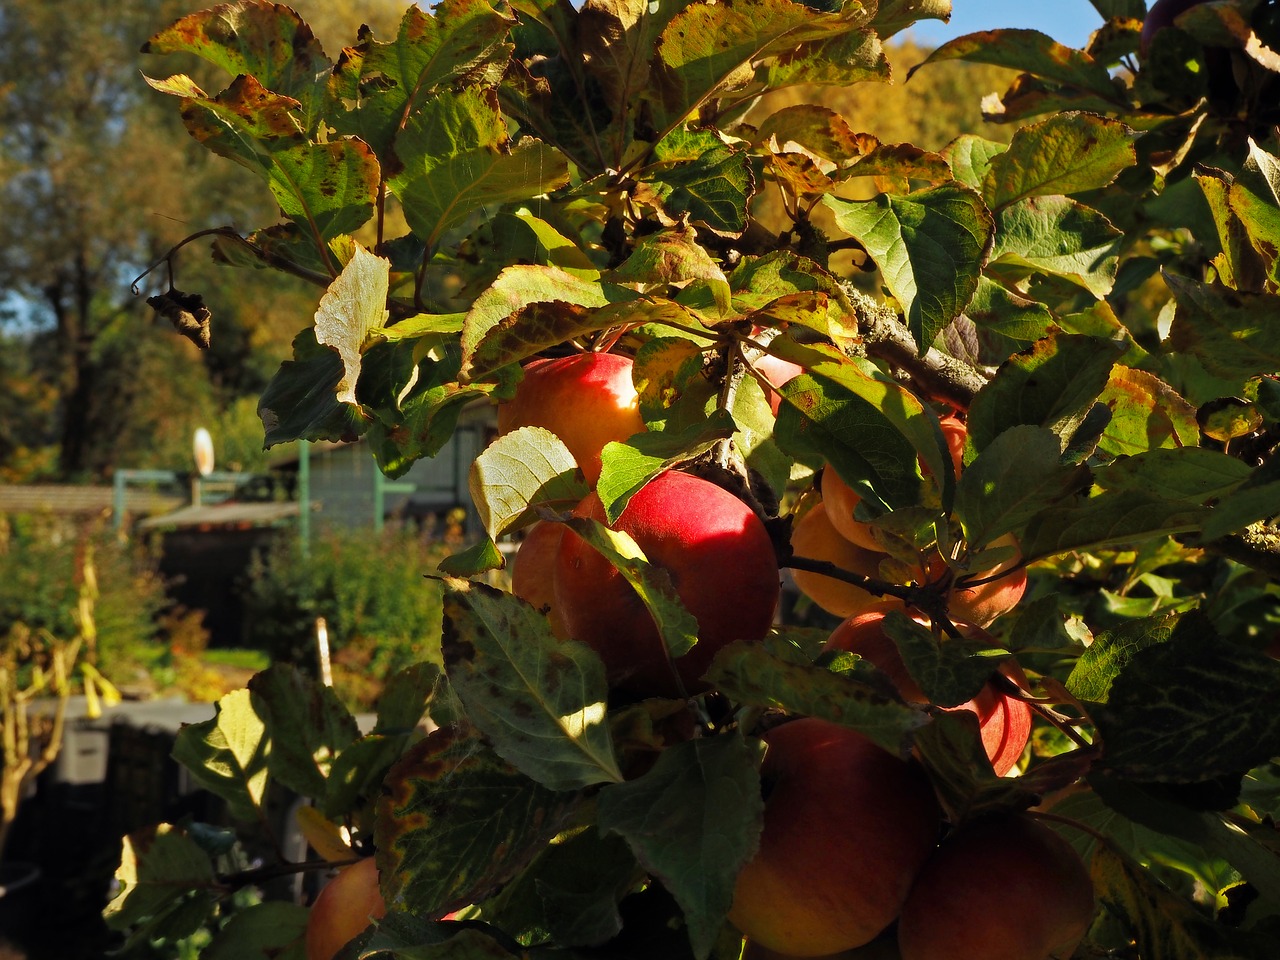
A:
[831,531]
[716,551]
[850,844]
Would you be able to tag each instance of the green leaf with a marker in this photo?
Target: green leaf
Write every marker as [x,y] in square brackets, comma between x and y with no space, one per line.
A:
[268,42]
[970,157]
[540,701]
[535,327]
[705,47]
[309,727]
[517,287]
[1058,237]
[272,930]
[228,755]
[997,309]
[674,393]
[1189,474]
[894,15]
[1068,153]
[1255,500]
[158,868]
[570,893]
[1030,51]
[519,472]
[328,189]
[1255,199]
[481,557]
[1111,651]
[824,420]
[967,787]
[1108,519]
[929,246]
[1190,709]
[457,159]
[949,672]
[460,43]
[354,305]
[301,401]
[693,821]
[1161,923]
[711,190]
[456,822]
[750,674]
[1146,413]
[1053,384]
[405,936]
[1012,480]
[617,39]
[674,257]
[1232,332]
[627,467]
[1248,846]
[676,625]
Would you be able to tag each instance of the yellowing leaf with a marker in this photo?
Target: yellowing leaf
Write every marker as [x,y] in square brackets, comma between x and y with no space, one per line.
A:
[354,305]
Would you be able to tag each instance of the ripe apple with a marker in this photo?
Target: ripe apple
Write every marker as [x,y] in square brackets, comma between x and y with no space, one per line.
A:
[1002,888]
[847,826]
[777,371]
[586,400]
[721,562]
[1161,15]
[1004,720]
[814,538]
[343,908]
[533,571]
[841,499]
[983,603]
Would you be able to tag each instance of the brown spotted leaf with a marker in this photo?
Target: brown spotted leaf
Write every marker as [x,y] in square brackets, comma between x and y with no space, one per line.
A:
[540,701]
[1028,50]
[455,822]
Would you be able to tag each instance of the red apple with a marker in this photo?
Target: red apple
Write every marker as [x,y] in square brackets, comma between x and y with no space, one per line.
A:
[1161,15]
[777,371]
[841,499]
[343,908]
[721,562]
[586,400]
[1004,720]
[847,826]
[814,538]
[983,603]
[533,571]
[1002,888]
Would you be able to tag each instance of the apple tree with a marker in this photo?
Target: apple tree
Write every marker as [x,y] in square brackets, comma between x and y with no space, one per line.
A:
[1003,419]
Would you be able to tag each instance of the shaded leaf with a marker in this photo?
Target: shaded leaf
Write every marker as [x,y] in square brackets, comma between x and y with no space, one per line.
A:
[272,930]
[1108,519]
[999,310]
[1232,332]
[1030,51]
[711,190]
[1012,480]
[1052,384]
[301,401]
[751,674]
[540,701]
[693,821]
[308,723]
[158,867]
[950,672]
[455,822]
[1189,474]
[1174,711]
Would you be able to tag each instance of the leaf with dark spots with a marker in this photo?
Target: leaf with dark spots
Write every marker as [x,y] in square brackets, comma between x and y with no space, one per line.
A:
[456,822]
[540,701]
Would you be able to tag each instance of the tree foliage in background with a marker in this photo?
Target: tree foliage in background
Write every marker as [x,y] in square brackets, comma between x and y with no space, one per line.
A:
[495,182]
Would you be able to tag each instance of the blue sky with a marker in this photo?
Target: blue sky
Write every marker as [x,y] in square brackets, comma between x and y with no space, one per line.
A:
[1067,21]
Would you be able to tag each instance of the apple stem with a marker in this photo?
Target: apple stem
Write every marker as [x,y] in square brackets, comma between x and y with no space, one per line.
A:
[1069,822]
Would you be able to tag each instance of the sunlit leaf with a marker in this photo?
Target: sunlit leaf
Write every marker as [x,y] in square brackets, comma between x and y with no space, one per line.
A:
[228,754]
[540,701]
[354,305]
[929,246]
